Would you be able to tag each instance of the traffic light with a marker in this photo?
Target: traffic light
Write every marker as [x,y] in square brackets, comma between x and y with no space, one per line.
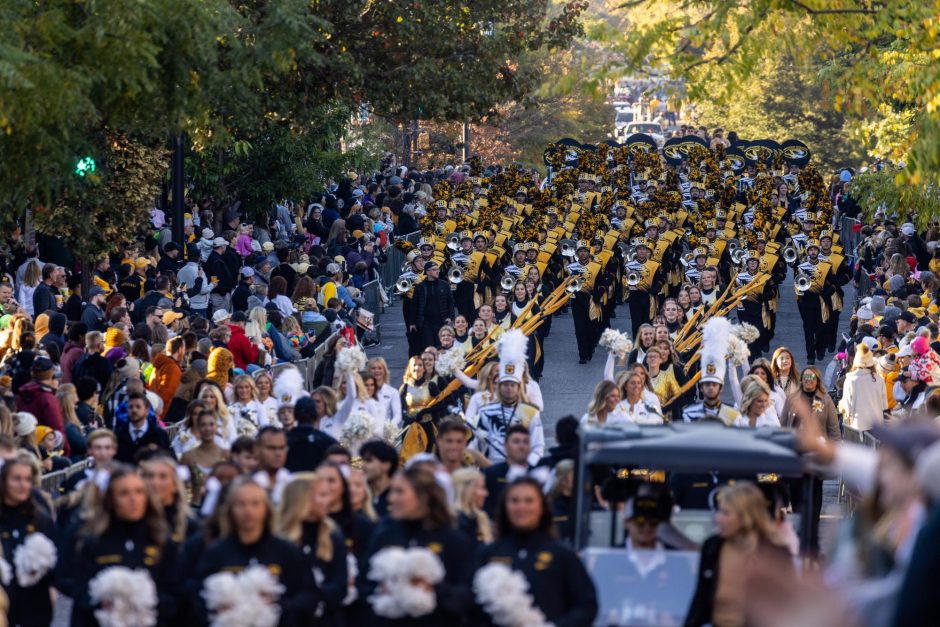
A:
[84,166]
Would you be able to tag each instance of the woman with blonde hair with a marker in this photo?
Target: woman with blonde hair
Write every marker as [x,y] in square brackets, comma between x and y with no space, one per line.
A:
[864,399]
[469,495]
[604,408]
[31,278]
[637,406]
[245,406]
[264,385]
[388,397]
[211,394]
[745,533]
[303,520]
[160,474]
[417,389]
[67,395]
[360,495]
[485,386]
[755,406]
[355,399]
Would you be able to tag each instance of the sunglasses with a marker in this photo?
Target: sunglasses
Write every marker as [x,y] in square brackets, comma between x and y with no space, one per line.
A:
[809,377]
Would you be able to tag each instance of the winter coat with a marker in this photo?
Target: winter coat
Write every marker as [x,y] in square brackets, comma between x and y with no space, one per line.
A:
[864,399]
[70,356]
[39,400]
[166,377]
[243,350]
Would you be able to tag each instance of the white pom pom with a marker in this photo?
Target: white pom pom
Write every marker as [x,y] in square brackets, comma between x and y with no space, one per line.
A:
[503,593]
[395,569]
[738,353]
[450,360]
[747,332]
[357,429]
[616,342]
[33,559]
[350,359]
[244,600]
[130,597]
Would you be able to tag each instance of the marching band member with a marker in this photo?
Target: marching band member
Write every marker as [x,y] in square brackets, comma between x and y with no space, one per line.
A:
[713,364]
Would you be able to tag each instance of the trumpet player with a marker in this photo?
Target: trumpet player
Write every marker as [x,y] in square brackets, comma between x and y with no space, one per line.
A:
[641,295]
[693,273]
[812,304]
[750,309]
[584,331]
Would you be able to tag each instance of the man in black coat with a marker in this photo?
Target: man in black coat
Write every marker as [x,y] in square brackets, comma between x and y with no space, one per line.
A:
[434,305]
[218,272]
[498,476]
[306,445]
[45,292]
[93,364]
[243,291]
[141,431]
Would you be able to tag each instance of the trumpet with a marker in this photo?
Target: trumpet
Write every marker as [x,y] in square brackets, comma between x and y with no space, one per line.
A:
[568,248]
[455,275]
[453,241]
[790,254]
[575,286]
[507,282]
[403,286]
[634,278]
[802,283]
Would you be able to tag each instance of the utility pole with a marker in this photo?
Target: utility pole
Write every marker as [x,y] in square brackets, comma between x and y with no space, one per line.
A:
[465,153]
[176,189]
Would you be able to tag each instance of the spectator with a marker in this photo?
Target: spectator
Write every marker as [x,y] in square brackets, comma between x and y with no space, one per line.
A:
[243,351]
[93,364]
[167,372]
[37,397]
[140,431]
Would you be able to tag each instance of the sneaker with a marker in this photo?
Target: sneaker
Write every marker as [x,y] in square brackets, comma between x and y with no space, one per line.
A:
[582,361]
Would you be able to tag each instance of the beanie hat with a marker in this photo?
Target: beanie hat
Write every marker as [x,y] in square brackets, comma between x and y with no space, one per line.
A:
[114,337]
[24,423]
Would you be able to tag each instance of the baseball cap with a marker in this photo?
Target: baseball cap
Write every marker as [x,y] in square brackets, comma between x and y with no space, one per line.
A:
[220,316]
[219,241]
[358,193]
[908,317]
[208,234]
[642,507]
[95,291]
[908,229]
[332,268]
[170,316]
[247,271]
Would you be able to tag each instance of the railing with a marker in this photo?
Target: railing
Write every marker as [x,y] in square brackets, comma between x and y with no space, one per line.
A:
[391,269]
[847,235]
[53,481]
[371,291]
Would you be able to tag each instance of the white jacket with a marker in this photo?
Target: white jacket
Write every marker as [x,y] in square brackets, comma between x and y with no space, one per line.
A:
[864,399]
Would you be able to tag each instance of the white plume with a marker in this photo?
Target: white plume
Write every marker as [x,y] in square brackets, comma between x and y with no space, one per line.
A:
[128,597]
[715,335]
[512,345]
[289,384]
[33,559]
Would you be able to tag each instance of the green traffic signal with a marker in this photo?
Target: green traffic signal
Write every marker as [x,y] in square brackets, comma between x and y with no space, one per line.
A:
[85,165]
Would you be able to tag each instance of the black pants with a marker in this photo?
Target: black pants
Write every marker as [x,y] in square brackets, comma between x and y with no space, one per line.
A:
[813,329]
[428,331]
[583,331]
[639,303]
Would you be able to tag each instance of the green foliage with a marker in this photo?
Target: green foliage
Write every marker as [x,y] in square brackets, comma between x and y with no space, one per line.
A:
[876,61]
[876,190]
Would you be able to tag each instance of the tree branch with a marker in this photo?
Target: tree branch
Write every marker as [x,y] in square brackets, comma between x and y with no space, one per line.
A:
[813,11]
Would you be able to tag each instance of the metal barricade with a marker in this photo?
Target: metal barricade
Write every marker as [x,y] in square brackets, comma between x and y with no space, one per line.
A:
[847,235]
[391,269]
[53,481]
[373,299]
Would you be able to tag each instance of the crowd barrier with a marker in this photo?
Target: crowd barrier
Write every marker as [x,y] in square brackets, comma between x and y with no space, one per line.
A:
[52,482]
[391,269]
[371,291]
[848,236]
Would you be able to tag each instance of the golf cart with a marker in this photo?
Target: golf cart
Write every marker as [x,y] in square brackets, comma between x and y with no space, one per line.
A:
[654,587]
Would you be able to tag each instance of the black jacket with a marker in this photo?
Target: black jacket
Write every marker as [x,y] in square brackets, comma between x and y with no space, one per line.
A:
[703,602]
[31,605]
[435,302]
[217,268]
[95,366]
[155,437]
[43,299]
[454,593]
[916,604]
[299,600]
[129,545]
[558,582]
[240,297]
[335,572]
[306,448]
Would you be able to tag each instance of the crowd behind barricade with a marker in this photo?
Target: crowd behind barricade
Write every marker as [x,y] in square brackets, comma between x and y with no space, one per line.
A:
[228,452]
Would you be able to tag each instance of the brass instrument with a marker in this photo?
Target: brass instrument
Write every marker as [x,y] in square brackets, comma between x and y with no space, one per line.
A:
[634,278]
[739,256]
[802,283]
[733,245]
[687,259]
[455,275]
[575,286]
[568,247]
[630,254]
[453,241]
[403,286]
[507,282]
[790,254]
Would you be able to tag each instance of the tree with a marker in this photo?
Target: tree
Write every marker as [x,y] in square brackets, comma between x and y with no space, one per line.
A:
[874,59]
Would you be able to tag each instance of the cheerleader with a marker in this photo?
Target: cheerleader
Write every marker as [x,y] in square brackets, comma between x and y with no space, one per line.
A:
[245,408]
[304,521]
[211,394]
[201,460]
[484,393]
[559,585]
[469,496]
[461,329]
[357,530]
[604,408]
[355,399]
[27,528]
[419,516]
[264,384]
[247,539]
[125,528]
[161,475]
[478,334]
[389,399]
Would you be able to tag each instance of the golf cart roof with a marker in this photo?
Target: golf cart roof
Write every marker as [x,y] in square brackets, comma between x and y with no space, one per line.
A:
[691,448]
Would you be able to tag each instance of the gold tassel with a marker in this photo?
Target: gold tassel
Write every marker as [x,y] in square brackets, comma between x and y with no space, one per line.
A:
[836,302]
[824,309]
[594,312]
